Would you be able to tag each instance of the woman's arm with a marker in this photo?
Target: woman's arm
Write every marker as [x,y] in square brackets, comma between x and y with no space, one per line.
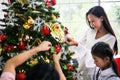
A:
[12,63]
[56,58]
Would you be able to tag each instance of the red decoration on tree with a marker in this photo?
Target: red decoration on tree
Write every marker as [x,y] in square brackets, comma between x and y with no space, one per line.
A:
[50,2]
[57,48]
[2,37]
[20,76]
[21,45]
[9,1]
[8,48]
[66,30]
[5,15]
[53,2]
[45,30]
[70,67]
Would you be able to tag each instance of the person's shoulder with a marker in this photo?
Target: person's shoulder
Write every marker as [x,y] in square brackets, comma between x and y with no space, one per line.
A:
[114,78]
[111,36]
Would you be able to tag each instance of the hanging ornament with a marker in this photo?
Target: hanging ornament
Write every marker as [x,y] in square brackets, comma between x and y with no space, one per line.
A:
[66,31]
[37,23]
[33,62]
[21,45]
[47,60]
[50,2]
[8,48]
[53,17]
[53,2]
[5,15]
[9,1]
[65,67]
[22,2]
[34,3]
[52,49]
[28,23]
[11,18]
[0,49]
[45,30]
[57,48]
[57,32]
[3,37]
[70,67]
[20,76]
[64,53]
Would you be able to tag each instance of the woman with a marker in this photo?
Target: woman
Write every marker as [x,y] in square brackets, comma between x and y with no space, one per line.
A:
[100,30]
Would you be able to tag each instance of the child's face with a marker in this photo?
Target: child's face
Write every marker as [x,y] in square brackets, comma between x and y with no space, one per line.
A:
[101,63]
[95,22]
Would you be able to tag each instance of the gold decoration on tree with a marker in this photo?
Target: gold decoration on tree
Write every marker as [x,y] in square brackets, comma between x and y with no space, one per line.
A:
[47,60]
[0,49]
[33,61]
[57,32]
[23,2]
[29,23]
[53,17]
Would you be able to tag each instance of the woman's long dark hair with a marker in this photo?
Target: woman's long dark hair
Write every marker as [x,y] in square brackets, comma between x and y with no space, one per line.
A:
[42,71]
[98,11]
[103,50]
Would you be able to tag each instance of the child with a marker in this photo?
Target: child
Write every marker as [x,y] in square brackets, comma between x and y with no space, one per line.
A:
[100,30]
[103,58]
[47,72]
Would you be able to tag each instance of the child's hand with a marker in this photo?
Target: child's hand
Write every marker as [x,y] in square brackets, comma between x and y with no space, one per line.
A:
[56,57]
[45,45]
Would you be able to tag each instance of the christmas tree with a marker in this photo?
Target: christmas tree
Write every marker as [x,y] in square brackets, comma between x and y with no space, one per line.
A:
[26,24]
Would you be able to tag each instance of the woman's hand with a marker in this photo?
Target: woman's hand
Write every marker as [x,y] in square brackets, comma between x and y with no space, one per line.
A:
[71,41]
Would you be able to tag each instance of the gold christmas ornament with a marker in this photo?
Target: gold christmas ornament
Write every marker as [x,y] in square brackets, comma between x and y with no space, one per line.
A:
[47,60]
[23,2]
[28,23]
[0,49]
[57,32]
[53,17]
[34,61]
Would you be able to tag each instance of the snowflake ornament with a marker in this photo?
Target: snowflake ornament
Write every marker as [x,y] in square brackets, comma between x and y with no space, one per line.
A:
[37,23]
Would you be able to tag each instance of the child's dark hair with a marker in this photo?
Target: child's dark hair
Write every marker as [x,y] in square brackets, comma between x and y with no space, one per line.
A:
[98,11]
[103,50]
[42,71]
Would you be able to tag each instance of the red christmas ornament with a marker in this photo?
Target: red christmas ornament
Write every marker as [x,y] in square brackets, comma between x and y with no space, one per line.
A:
[66,30]
[20,76]
[45,30]
[21,45]
[50,2]
[9,1]
[8,48]
[70,67]
[57,48]
[2,37]
[5,15]
[53,2]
